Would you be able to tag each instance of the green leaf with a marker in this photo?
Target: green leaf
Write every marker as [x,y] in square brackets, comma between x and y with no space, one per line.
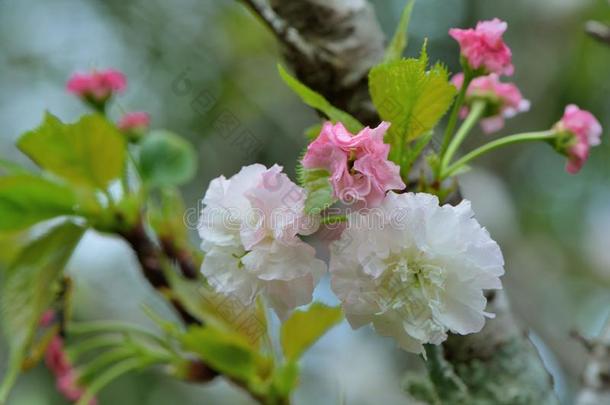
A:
[304,328]
[285,379]
[319,190]
[224,351]
[90,152]
[26,199]
[317,101]
[313,131]
[166,159]
[27,291]
[220,311]
[400,39]
[409,97]
[8,167]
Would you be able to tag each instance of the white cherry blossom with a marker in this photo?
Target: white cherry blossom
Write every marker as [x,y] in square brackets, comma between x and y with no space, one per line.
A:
[250,229]
[415,270]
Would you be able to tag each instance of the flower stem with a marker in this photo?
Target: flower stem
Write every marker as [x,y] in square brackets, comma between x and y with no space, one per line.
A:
[475,114]
[508,140]
[468,76]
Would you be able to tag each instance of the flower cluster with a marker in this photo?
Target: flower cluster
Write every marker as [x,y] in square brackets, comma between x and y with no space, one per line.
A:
[578,132]
[484,53]
[503,100]
[249,227]
[417,270]
[358,164]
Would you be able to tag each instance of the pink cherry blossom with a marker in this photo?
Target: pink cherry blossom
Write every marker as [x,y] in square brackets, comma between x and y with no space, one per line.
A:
[484,48]
[134,121]
[97,85]
[66,378]
[585,131]
[504,99]
[358,164]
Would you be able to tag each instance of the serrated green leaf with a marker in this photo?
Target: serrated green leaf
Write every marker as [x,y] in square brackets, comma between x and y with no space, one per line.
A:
[304,328]
[400,39]
[319,190]
[409,97]
[26,199]
[90,152]
[224,351]
[166,159]
[27,291]
[317,101]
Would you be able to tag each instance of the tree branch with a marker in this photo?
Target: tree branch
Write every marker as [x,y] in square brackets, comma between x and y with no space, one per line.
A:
[287,35]
[332,45]
[151,260]
[596,378]
[599,31]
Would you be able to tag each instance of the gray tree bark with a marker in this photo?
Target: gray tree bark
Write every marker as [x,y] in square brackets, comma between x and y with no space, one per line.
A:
[331,45]
[596,378]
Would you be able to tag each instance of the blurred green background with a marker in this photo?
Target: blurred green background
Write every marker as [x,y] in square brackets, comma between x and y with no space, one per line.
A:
[199,65]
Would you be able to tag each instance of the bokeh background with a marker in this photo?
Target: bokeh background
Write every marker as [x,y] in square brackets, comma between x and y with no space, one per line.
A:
[196,63]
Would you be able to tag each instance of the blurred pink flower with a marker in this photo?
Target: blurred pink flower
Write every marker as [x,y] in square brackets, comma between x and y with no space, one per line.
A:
[484,48]
[584,130]
[134,121]
[97,85]
[66,378]
[504,100]
[55,357]
[47,318]
[67,384]
[359,165]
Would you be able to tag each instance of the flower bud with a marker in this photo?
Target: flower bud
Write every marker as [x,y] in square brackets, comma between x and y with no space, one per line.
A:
[483,48]
[97,87]
[134,124]
[577,131]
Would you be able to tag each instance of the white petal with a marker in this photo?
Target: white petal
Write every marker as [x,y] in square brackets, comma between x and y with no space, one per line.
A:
[284,296]
[279,261]
[223,272]
[392,327]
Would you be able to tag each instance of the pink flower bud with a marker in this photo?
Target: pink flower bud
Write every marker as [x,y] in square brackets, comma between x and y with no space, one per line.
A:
[484,48]
[358,164]
[504,100]
[47,318]
[66,378]
[97,86]
[578,131]
[134,122]
[55,357]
